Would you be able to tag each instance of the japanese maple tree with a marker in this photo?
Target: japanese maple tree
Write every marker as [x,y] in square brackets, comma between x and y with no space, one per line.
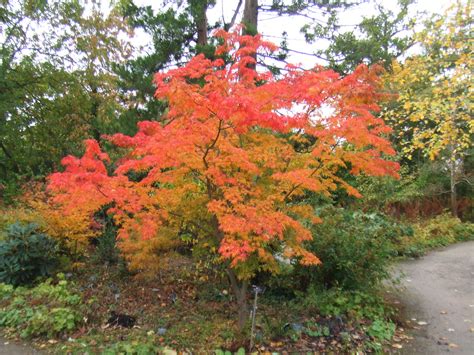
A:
[235,148]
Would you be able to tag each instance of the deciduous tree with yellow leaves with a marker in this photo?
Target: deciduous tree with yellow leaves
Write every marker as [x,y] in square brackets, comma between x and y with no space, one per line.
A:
[435,93]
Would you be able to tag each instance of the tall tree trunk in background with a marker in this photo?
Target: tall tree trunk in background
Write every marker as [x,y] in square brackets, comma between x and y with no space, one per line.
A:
[199,13]
[9,155]
[452,170]
[250,19]
[200,17]
[96,133]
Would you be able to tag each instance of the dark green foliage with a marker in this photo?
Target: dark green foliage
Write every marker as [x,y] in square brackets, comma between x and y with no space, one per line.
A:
[26,254]
[367,306]
[106,244]
[358,304]
[56,86]
[424,181]
[464,231]
[354,248]
[132,347]
[173,33]
[47,309]
[376,39]
[106,249]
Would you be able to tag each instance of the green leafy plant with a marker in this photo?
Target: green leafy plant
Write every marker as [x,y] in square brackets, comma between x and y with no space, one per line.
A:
[316,330]
[436,232]
[337,302]
[26,254]
[132,348]
[47,309]
[354,248]
[381,330]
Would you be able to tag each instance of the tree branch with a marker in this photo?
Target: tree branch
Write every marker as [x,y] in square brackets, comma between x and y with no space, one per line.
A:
[234,16]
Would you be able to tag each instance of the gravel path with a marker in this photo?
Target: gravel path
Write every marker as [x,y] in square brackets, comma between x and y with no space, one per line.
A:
[438,297]
[8,347]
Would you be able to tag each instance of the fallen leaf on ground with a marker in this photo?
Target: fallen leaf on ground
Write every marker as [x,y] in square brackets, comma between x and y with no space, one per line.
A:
[397,346]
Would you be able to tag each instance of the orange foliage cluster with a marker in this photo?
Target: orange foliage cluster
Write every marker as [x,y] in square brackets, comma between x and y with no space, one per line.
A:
[223,163]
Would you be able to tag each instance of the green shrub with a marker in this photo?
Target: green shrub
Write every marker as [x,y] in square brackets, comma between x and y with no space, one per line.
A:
[26,254]
[132,348]
[435,232]
[354,248]
[381,330]
[464,231]
[337,302]
[47,309]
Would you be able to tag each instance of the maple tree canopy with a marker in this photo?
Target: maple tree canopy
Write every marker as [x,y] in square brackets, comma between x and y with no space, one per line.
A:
[230,155]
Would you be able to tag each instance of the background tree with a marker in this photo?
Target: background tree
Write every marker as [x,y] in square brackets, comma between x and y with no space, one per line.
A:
[434,112]
[377,39]
[177,32]
[56,83]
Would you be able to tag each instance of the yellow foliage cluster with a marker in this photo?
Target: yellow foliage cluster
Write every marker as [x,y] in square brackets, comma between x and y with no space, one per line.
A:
[435,92]
[72,230]
[18,214]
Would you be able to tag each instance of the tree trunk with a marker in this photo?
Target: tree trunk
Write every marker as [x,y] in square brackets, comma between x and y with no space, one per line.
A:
[201,23]
[239,289]
[250,18]
[95,113]
[9,155]
[454,202]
